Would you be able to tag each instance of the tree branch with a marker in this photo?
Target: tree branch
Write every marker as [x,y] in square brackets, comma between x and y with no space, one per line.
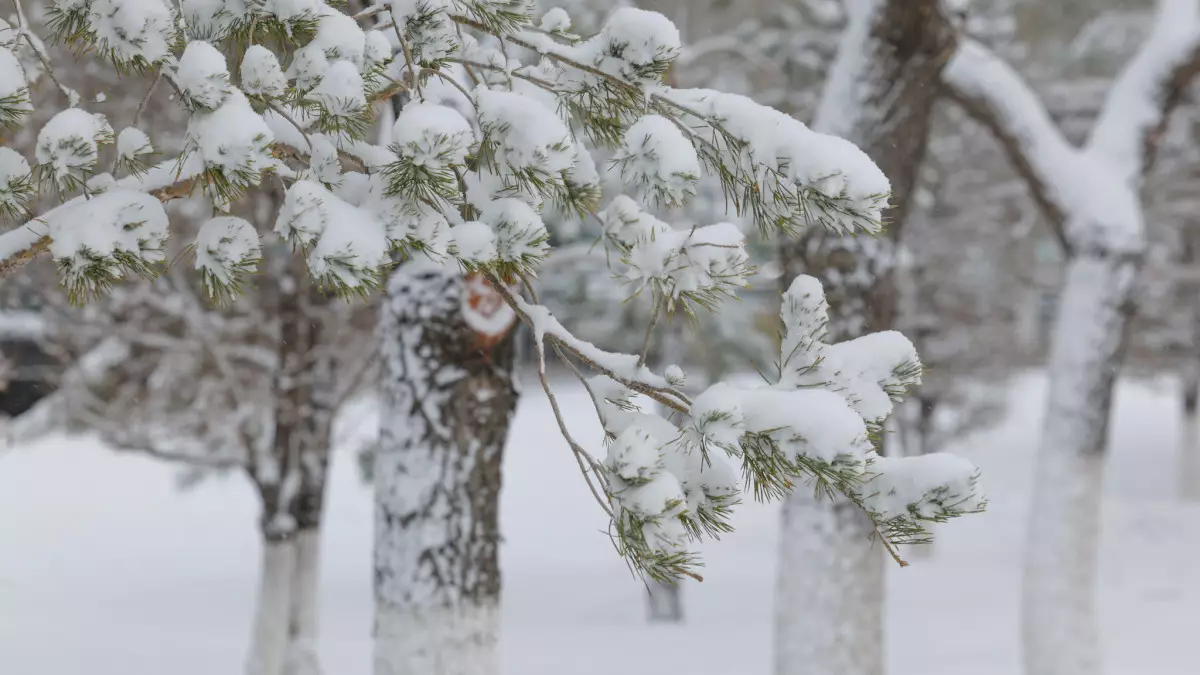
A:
[1140,101]
[1000,99]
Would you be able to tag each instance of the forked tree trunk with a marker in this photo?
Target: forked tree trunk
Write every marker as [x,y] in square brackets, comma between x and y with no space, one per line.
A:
[1060,622]
[447,400]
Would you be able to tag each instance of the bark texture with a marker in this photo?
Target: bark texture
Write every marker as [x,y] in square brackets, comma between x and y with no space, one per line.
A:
[447,399]
[879,94]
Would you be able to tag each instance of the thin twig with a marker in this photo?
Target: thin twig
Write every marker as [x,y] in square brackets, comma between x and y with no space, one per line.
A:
[576,449]
[887,545]
[372,11]
[466,67]
[71,94]
[408,57]
[137,116]
[667,396]
[278,110]
[447,78]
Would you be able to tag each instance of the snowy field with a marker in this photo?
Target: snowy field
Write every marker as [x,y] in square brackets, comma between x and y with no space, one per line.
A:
[107,568]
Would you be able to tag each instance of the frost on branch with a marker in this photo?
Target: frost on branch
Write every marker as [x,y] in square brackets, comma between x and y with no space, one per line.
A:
[803,177]
[525,143]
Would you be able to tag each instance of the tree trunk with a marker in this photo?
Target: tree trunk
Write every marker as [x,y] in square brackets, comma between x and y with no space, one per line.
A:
[664,601]
[1059,604]
[290,476]
[1189,433]
[926,409]
[922,442]
[833,574]
[447,400]
[270,638]
[879,94]
[1189,441]
[301,654]
[308,507]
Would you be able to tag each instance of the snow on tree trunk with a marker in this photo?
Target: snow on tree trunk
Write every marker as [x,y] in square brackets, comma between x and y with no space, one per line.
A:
[270,639]
[1100,222]
[880,93]
[1060,622]
[664,601]
[840,627]
[447,399]
[301,653]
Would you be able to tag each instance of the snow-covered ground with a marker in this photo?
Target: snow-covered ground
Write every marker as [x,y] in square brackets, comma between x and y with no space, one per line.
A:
[107,568]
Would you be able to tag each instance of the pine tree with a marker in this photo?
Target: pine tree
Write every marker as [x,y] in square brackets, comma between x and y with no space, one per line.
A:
[285,93]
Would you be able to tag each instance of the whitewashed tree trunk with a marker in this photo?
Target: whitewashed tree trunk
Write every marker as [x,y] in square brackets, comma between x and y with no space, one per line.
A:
[270,639]
[301,658]
[1189,434]
[828,617]
[447,399]
[664,601]
[1060,612]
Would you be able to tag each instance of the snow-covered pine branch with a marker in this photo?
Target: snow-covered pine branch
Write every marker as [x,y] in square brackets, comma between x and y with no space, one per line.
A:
[283,91]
